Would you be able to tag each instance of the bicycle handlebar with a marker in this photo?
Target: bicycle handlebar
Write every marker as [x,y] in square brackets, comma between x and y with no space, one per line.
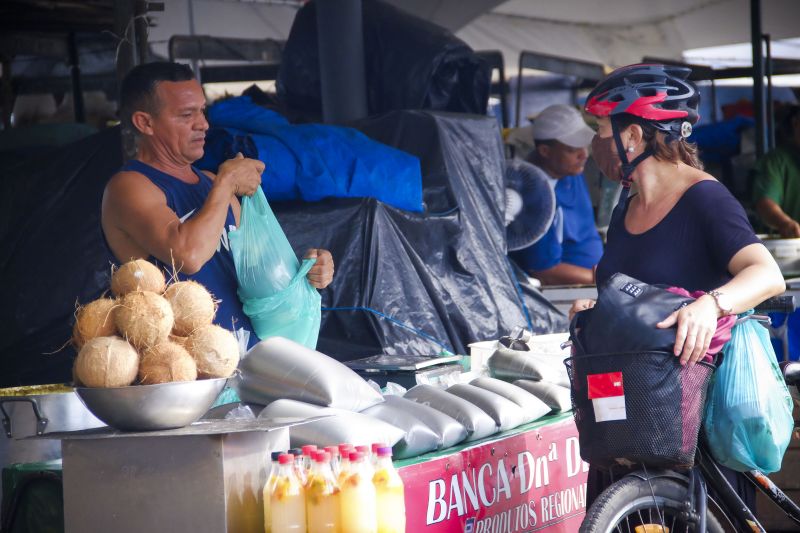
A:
[777,304]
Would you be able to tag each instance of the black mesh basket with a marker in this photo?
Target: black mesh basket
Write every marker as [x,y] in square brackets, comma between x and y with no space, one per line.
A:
[663,409]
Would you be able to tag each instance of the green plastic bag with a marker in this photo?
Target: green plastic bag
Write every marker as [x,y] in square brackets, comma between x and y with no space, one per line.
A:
[748,419]
[273,286]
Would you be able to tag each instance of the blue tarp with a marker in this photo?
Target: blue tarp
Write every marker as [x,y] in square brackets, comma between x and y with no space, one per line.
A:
[311,161]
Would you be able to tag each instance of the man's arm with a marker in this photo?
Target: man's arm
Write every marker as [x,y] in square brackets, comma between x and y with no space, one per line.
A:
[564,274]
[137,220]
[773,216]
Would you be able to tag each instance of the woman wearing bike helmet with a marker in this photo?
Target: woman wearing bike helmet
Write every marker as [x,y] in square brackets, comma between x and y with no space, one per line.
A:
[681,227]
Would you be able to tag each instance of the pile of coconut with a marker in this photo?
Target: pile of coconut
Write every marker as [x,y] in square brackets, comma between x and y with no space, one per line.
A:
[150,332]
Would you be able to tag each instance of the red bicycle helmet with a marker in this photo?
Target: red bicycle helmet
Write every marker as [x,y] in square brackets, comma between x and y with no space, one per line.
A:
[659,94]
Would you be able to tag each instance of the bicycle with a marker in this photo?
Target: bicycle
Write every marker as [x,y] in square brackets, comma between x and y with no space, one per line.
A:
[669,501]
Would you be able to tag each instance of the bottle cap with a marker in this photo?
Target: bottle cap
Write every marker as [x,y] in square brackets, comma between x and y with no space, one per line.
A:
[275,456]
[333,450]
[286,458]
[376,446]
[308,448]
[296,451]
[345,448]
[385,451]
[322,457]
[356,456]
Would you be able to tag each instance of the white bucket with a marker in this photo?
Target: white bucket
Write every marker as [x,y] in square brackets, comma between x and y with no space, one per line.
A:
[479,353]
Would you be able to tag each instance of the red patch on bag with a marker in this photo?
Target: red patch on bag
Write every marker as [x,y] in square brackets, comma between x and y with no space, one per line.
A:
[605,385]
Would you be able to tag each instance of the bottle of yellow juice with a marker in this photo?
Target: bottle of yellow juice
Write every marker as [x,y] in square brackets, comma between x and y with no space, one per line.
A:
[268,486]
[358,498]
[287,502]
[389,493]
[322,497]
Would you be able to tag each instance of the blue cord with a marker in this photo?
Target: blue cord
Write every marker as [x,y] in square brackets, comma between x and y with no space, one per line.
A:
[520,295]
[394,321]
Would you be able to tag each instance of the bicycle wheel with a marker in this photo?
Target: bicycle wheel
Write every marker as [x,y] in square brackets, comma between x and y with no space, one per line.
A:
[633,505]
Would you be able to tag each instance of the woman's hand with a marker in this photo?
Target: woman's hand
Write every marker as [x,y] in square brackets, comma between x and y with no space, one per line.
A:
[321,274]
[697,323]
[581,305]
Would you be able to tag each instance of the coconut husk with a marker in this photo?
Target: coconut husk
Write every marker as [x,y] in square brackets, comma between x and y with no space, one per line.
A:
[106,362]
[138,275]
[215,350]
[145,319]
[94,319]
[165,363]
[192,305]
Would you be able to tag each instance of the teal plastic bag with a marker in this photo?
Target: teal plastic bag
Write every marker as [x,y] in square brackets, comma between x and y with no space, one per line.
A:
[273,287]
[748,418]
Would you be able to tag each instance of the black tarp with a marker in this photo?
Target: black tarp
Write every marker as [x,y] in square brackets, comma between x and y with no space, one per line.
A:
[410,63]
[51,254]
[442,273]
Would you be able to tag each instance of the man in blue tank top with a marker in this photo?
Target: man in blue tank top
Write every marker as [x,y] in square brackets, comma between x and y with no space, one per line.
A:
[569,251]
[159,207]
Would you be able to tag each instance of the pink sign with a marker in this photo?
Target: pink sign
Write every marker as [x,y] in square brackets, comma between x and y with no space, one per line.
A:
[532,481]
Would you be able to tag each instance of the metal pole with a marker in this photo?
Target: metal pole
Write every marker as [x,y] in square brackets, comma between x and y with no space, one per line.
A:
[126,59]
[770,103]
[140,28]
[758,78]
[503,95]
[340,33]
[518,102]
[75,72]
[190,9]
[124,29]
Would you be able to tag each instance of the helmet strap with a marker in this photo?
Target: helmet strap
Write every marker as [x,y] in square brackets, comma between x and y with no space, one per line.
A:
[627,168]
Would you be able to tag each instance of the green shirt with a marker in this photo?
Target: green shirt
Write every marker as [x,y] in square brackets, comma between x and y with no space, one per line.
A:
[777,177]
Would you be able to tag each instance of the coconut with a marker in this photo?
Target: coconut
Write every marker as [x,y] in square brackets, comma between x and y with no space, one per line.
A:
[94,319]
[215,350]
[192,304]
[180,341]
[166,362]
[138,275]
[106,362]
[144,319]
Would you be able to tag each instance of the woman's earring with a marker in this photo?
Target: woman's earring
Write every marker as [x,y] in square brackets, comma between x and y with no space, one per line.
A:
[630,149]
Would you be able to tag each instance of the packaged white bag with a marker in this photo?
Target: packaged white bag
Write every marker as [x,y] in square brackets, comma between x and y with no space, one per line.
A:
[505,413]
[336,427]
[478,423]
[532,407]
[278,368]
[558,398]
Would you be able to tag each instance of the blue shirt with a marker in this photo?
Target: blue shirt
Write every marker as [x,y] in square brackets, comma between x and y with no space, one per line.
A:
[218,275]
[689,248]
[572,238]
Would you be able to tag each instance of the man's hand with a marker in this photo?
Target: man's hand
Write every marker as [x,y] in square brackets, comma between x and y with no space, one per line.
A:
[321,274]
[790,229]
[241,174]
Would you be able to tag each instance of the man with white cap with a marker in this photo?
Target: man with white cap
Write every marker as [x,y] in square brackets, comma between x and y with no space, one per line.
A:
[571,247]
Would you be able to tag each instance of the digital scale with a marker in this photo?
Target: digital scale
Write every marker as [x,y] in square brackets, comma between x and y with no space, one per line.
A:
[407,370]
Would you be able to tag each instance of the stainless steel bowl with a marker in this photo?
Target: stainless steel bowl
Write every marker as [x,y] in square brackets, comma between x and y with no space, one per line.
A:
[152,407]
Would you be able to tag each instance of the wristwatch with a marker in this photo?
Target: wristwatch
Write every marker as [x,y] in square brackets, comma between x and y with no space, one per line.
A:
[722,302]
